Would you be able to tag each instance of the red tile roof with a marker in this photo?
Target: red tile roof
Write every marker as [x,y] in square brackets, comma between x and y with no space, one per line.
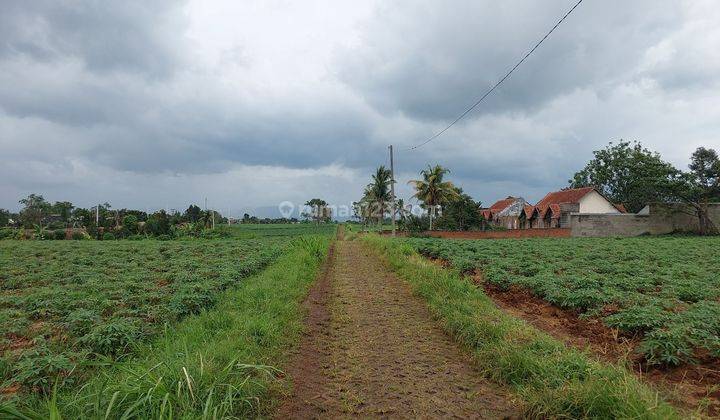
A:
[501,205]
[555,209]
[529,211]
[565,196]
[486,214]
[554,199]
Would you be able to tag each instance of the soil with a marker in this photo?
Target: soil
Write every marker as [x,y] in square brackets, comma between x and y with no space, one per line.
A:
[590,333]
[691,387]
[372,349]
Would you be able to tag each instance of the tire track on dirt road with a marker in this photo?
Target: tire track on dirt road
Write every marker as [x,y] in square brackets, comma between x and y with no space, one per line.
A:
[372,349]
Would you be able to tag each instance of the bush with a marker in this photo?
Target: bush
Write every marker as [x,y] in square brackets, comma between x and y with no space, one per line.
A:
[215,234]
[191,299]
[164,237]
[40,369]
[158,224]
[78,236]
[107,236]
[59,234]
[56,225]
[112,338]
[80,321]
[416,224]
[8,233]
[136,237]
[130,224]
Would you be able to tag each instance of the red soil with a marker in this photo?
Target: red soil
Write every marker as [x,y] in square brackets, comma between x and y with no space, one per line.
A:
[691,387]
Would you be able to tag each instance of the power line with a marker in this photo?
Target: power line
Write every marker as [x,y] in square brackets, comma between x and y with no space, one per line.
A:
[482,98]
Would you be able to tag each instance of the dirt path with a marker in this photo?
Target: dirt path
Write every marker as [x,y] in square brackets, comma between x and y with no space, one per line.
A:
[372,349]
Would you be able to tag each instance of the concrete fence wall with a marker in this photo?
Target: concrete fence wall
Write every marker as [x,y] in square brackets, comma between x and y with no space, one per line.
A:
[602,225]
[661,219]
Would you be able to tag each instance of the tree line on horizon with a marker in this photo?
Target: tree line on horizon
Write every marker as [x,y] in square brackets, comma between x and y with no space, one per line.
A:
[42,219]
[103,222]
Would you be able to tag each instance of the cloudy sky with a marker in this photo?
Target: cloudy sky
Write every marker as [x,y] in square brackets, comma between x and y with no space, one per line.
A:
[253,102]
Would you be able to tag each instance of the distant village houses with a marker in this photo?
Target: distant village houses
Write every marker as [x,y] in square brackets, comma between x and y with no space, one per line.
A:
[505,213]
[553,211]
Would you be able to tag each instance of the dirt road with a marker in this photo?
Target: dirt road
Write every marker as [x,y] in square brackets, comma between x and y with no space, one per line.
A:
[372,350]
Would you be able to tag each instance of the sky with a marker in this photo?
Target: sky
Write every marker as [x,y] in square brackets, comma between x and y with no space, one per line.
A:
[252,103]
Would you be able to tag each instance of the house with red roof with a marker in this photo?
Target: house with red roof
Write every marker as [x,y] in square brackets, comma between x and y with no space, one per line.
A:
[554,209]
[505,212]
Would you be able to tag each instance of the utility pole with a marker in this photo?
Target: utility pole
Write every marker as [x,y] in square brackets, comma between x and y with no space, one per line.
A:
[392,189]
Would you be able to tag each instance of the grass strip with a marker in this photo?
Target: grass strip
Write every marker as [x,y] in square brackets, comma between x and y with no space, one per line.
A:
[217,364]
[552,380]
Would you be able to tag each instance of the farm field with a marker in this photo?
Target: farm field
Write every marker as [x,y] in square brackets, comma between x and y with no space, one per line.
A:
[249,231]
[665,289]
[551,378]
[69,306]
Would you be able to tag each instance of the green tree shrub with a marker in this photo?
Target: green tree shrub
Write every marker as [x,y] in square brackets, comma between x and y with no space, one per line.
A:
[130,224]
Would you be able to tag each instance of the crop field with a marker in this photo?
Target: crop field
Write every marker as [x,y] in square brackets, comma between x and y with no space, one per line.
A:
[249,231]
[666,289]
[65,302]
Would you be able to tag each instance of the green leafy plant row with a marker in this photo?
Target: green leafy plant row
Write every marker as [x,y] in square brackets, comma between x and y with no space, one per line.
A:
[665,288]
[220,363]
[66,306]
[552,381]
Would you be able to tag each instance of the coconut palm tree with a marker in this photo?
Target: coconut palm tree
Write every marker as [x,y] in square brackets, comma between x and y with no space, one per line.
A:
[432,191]
[377,194]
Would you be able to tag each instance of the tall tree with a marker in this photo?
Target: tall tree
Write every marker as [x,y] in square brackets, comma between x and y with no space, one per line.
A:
[319,210]
[64,209]
[378,193]
[192,214]
[34,209]
[4,217]
[461,214]
[701,186]
[634,176]
[627,173]
[432,191]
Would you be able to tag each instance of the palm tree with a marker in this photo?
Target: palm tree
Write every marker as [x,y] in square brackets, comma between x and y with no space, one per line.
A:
[377,193]
[432,190]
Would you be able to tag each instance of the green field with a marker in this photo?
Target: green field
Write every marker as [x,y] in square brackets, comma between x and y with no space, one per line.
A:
[69,308]
[551,379]
[249,231]
[665,288]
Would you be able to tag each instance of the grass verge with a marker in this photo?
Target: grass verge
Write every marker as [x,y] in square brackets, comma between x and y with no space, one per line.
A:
[553,380]
[217,364]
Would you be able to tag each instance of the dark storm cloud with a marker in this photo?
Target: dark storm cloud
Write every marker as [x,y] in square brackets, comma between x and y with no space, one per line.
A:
[431,61]
[151,95]
[138,36]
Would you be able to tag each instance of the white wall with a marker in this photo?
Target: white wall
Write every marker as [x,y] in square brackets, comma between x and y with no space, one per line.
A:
[593,202]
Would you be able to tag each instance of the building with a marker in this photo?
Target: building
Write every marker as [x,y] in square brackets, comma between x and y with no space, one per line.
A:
[554,209]
[505,213]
